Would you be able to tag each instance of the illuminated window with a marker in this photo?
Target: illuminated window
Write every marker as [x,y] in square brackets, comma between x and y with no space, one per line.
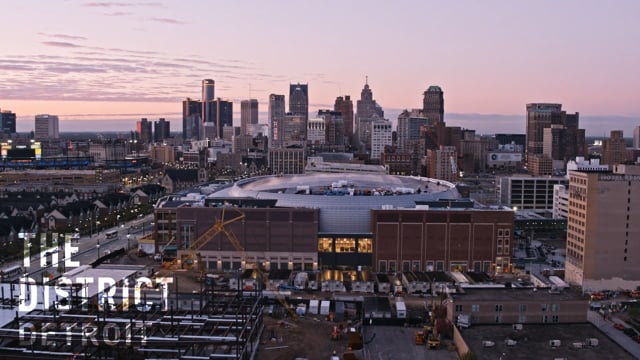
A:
[325,245]
[345,245]
[365,245]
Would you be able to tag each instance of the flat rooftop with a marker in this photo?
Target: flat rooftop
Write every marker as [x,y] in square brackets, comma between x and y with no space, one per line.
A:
[517,294]
[533,342]
[290,183]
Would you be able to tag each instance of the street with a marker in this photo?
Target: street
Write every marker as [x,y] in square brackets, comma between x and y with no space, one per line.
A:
[89,249]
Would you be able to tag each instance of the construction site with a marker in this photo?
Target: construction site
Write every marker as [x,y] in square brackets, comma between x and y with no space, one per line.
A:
[225,327]
[167,308]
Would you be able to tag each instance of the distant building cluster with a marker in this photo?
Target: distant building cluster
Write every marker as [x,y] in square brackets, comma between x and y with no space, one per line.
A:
[325,162]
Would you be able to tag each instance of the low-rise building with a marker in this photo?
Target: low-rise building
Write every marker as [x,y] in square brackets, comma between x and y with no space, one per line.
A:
[454,239]
[519,306]
[528,192]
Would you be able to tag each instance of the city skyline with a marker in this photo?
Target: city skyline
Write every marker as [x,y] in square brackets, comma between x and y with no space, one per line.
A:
[492,59]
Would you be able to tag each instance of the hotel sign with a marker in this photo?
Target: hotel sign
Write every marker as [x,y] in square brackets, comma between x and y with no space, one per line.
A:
[618,177]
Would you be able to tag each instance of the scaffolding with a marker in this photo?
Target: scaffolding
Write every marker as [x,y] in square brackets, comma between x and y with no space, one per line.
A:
[229,328]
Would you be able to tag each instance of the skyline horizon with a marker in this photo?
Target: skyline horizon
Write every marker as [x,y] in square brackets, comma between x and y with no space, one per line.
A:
[491,59]
[483,124]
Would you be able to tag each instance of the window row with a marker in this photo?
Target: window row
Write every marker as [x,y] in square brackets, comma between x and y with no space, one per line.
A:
[499,308]
[345,245]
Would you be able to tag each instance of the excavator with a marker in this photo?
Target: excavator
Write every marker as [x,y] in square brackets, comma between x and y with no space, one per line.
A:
[192,257]
[429,334]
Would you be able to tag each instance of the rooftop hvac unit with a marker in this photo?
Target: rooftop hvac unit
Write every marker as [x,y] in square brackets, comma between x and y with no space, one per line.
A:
[555,343]
[592,342]
[517,327]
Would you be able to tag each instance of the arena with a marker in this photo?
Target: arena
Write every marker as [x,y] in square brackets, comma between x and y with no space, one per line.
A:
[345,200]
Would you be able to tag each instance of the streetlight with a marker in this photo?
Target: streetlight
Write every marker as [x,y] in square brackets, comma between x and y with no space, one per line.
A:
[128,245]
[98,247]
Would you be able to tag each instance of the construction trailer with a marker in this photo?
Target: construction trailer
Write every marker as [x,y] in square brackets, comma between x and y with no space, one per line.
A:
[333,281]
[410,282]
[362,281]
[315,281]
[383,283]
[301,280]
[423,283]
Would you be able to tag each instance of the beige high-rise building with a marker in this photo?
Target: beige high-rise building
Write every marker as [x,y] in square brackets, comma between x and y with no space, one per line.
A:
[443,163]
[47,127]
[248,115]
[603,228]
[381,136]
[162,154]
[614,149]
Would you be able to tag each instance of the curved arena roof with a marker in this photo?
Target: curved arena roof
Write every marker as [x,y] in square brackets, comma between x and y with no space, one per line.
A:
[344,199]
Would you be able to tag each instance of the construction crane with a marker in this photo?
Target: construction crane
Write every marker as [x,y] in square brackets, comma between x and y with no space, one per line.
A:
[220,227]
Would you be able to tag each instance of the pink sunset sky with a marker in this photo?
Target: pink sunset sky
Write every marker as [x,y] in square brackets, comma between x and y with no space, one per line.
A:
[120,61]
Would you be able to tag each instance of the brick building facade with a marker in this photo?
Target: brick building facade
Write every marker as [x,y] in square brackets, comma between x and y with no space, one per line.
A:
[442,240]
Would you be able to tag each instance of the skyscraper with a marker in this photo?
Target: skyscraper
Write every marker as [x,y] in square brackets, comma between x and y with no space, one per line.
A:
[161,130]
[380,137]
[368,111]
[248,115]
[334,127]
[409,128]
[276,119]
[47,127]
[208,96]
[316,132]
[223,115]
[208,90]
[7,122]
[218,114]
[433,104]
[191,119]
[541,116]
[344,105]
[299,100]
[636,137]
[367,106]
[144,131]
[294,131]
